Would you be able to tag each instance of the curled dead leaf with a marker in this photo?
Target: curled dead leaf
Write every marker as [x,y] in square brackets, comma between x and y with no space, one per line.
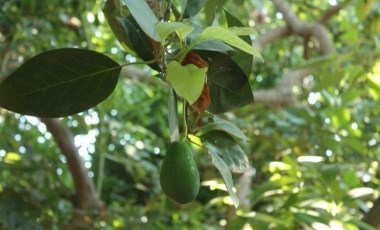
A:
[195,59]
[203,101]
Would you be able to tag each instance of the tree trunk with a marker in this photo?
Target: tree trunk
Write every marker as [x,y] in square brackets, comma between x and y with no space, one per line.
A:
[86,201]
[372,217]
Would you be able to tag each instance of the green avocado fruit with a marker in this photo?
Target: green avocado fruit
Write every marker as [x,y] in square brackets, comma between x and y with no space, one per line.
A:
[179,175]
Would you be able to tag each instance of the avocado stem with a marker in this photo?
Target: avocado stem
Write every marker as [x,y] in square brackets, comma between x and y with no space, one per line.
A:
[185,128]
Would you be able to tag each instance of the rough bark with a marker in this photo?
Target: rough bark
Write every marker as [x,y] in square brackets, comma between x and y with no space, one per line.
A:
[85,200]
[271,37]
[372,217]
[282,94]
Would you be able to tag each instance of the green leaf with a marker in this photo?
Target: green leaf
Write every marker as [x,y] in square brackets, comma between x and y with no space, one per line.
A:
[268,219]
[374,86]
[140,41]
[219,33]
[238,29]
[214,45]
[225,172]
[225,146]
[187,81]
[332,78]
[115,21]
[320,61]
[361,224]
[339,116]
[308,218]
[192,7]
[211,45]
[128,32]
[211,8]
[363,8]
[329,172]
[356,144]
[164,29]
[350,178]
[229,86]
[144,16]
[173,117]
[223,125]
[243,59]
[60,83]
[361,192]
[262,190]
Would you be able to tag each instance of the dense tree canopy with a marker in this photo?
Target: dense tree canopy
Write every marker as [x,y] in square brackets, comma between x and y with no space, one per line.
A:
[312,132]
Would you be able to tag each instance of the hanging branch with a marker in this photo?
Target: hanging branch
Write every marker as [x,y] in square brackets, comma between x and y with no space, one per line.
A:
[282,94]
[85,200]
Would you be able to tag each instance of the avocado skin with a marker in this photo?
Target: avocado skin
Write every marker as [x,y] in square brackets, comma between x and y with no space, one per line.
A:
[179,176]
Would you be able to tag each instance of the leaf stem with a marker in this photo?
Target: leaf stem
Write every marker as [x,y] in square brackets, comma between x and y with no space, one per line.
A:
[185,128]
[143,62]
[167,10]
[176,13]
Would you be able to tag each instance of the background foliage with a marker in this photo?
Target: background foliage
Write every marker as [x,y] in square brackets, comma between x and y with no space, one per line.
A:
[315,165]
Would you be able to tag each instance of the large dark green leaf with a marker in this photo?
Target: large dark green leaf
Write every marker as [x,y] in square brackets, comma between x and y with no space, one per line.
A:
[144,17]
[222,167]
[141,43]
[128,32]
[228,36]
[224,145]
[210,45]
[211,8]
[192,7]
[214,45]
[243,59]
[229,86]
[60,83]
[309,219]
[116,22]
[226,126]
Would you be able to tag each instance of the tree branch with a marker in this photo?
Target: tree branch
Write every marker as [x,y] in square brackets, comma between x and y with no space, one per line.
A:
[282,94]
[85,200]
[372,216]
[271,37]
[332,11]
[305,29]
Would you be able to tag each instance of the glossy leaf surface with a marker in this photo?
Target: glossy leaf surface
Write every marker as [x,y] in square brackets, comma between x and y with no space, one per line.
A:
[129,33]
[164,29]
[144,17]
[243,59]
[60,83]
[116,23]
[228,37]
[192,7]
[229,86]
[188,81]
[226,126]
[222,167]
[225,146]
